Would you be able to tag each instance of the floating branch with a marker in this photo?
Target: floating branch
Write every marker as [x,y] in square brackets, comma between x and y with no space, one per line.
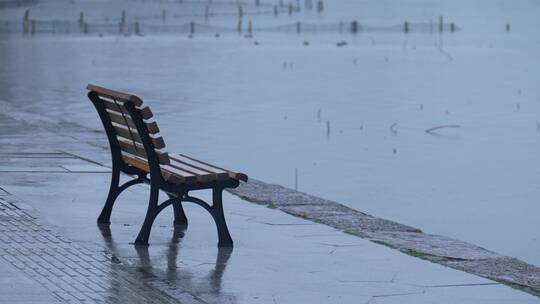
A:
[393,128]
[446,54]
[430,130]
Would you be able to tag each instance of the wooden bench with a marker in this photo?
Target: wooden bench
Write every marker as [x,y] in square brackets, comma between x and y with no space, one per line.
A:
[137,149]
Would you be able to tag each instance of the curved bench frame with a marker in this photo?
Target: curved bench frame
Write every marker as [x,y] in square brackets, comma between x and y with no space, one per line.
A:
[177,193]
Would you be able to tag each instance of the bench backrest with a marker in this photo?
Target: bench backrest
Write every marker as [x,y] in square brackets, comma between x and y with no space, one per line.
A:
[131,124]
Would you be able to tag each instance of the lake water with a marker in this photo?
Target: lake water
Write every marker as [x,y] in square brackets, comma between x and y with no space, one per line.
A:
[350,119]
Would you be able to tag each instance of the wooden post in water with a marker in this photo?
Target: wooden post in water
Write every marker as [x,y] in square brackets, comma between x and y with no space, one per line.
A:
[33,22]
[354,27]
[240,11]
[25,23]
[406,27]
[122,22]
[137,29]
[257,2]
[86,28]
[440,24]
[320,6]
[239,27]
[508,27]
[298,27]
[452,27]
[81,19]
[192,27]
[290,8]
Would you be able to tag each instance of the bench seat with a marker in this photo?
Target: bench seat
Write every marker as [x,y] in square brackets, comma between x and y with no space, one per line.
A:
[183,169]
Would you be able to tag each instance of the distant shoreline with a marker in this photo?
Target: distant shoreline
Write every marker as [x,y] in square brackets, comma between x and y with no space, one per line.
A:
[17,3]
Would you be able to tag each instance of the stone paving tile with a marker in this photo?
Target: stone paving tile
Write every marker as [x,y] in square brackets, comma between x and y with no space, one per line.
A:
[70,272]
[16,287]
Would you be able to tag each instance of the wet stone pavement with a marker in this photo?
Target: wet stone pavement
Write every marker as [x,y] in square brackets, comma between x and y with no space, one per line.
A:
[54,178]
[435,248]
[69,271]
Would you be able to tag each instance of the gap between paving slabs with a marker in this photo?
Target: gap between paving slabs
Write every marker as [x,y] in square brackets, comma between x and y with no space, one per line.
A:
[412,241]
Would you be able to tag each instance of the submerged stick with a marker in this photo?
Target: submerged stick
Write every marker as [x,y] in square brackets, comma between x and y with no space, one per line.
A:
[328,128]
[296,179]
[430,130]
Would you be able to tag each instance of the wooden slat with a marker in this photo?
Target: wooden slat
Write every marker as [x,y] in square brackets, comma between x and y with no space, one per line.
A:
[125,133]
[119,119]
[114,94]
[158,142]
[179,176]
[232,174]
[128,147]
[217,174]
[118,108]
[202,176]
[146,113]
[169,174]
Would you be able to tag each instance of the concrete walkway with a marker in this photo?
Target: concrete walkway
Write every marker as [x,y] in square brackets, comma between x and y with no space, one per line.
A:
[54,178]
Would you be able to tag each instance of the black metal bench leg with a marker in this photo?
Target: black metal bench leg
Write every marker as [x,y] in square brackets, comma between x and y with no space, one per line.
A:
[151,213]
[180,218]
[225,239]
[105,215]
